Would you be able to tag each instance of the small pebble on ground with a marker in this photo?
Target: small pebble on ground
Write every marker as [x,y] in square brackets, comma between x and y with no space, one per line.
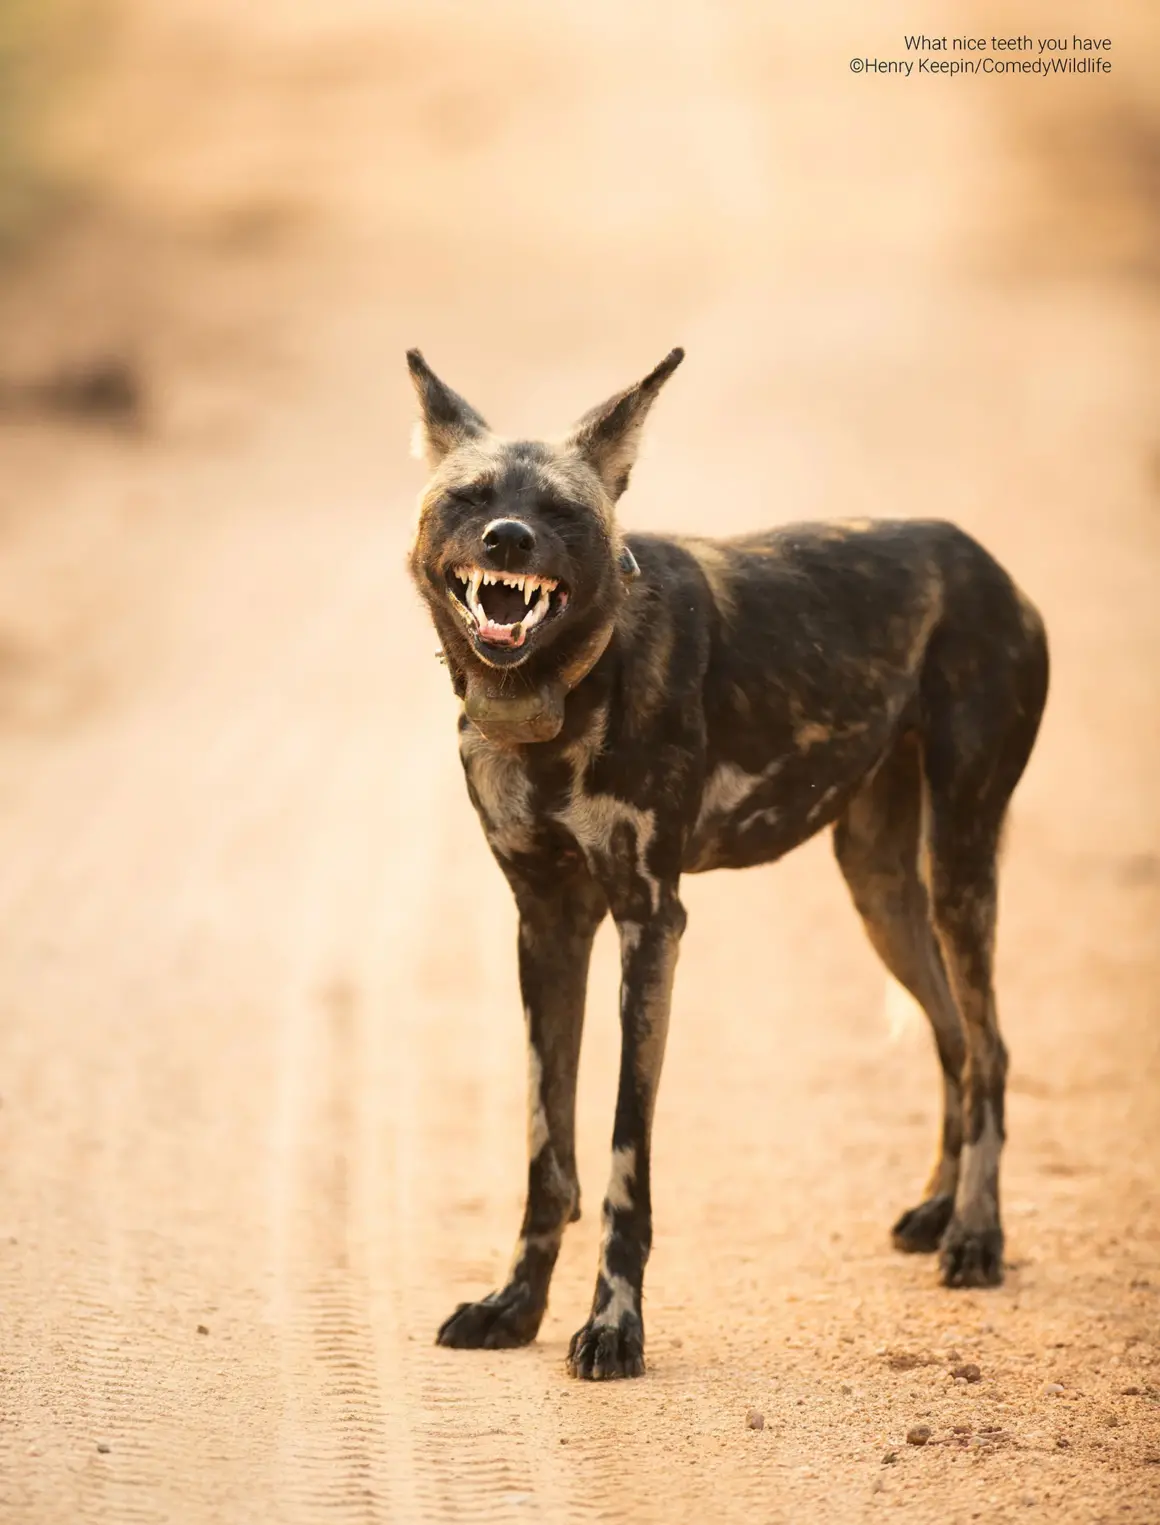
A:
[755,1420]
[918,1435]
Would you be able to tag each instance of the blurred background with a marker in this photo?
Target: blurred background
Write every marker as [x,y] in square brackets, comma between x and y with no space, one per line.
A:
[261,1066]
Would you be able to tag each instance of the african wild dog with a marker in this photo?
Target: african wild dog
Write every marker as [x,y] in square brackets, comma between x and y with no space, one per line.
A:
[638,708]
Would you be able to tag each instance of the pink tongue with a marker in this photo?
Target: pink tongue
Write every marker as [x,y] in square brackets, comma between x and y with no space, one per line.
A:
[501,635]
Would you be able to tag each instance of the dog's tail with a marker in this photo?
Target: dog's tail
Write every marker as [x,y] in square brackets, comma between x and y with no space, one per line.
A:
[902,1012]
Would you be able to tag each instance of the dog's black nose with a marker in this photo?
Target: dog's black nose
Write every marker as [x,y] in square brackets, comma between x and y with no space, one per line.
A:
[509,543]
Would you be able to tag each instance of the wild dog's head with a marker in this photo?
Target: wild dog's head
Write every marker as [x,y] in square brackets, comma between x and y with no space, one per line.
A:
[517,552]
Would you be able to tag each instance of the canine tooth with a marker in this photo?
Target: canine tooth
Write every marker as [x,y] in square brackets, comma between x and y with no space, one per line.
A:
[473,592]
[530,586]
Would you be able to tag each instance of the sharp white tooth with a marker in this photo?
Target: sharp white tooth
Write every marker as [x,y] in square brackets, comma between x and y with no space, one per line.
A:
[518,582]
[473,592]
[530,586]
[488,578]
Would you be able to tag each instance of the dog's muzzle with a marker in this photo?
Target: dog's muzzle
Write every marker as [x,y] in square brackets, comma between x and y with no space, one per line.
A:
[504,608]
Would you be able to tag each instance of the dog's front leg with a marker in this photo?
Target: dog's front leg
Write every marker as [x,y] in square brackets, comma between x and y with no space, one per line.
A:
[558,921]
[611,1343]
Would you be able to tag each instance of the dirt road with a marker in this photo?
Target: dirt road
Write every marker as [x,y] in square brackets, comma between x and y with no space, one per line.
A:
[261,1061]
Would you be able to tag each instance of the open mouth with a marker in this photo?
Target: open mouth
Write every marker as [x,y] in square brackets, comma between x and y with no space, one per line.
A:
[504,608]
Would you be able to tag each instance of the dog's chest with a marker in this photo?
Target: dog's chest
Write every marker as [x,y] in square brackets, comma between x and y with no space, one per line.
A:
[550,807]
[501,791]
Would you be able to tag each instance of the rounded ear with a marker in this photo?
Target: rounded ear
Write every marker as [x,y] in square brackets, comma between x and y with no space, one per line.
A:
[445,420]
[608,436]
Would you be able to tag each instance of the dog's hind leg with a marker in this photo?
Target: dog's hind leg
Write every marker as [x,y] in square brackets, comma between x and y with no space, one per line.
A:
[963,873]
[877,843]
[982,712]
[611,1343]
[559,916]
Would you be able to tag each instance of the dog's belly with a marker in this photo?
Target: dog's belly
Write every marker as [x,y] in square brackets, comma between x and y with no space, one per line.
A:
[750,818]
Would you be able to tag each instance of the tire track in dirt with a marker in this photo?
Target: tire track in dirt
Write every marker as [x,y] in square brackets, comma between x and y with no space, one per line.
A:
[333,1460]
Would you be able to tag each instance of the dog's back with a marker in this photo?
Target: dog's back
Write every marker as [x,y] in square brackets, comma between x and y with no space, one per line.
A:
[810,648]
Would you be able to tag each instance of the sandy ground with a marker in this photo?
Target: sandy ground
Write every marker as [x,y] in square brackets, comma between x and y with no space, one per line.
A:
[261,1070]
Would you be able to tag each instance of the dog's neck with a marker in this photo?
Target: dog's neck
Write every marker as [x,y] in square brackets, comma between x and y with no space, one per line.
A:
[528,710]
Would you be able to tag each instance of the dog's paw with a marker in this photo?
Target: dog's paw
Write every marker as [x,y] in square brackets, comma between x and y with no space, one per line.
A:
[920,1230]
[600,1351]
[500,1321]
[971,1257]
